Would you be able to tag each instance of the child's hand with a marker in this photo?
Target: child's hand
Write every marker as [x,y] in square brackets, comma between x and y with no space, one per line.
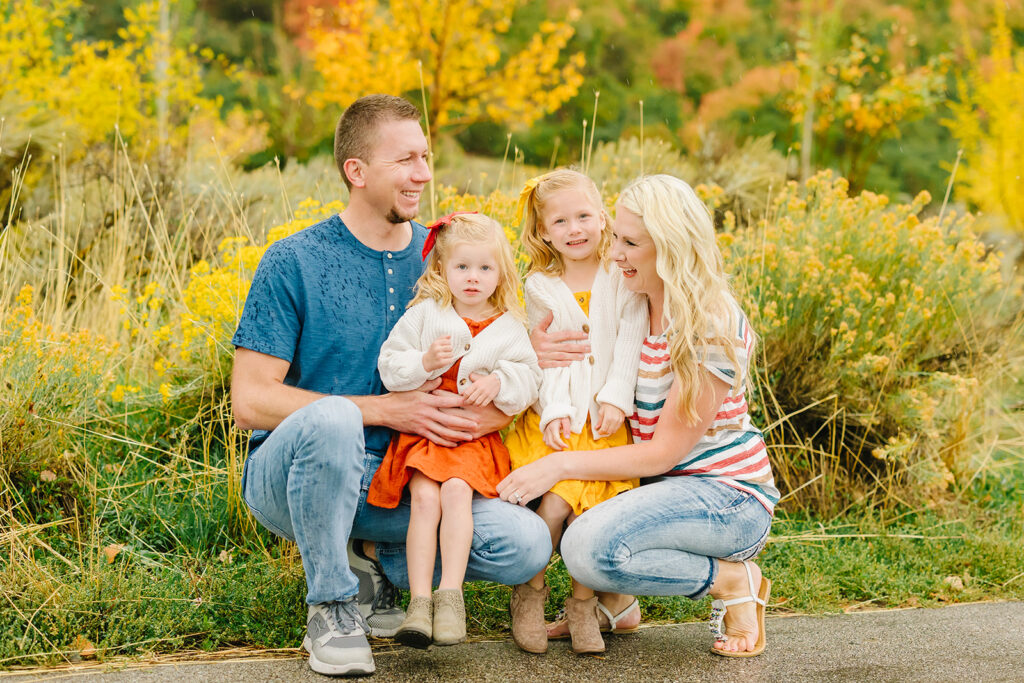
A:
[554,432]
[439,355]
[609,419]
[483,389]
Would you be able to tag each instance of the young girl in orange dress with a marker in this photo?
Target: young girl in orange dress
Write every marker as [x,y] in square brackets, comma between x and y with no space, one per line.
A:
[465,326]
[566,234]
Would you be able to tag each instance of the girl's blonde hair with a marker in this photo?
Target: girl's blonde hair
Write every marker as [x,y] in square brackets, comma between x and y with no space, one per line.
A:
[472,229]
[699,303]
[543,257]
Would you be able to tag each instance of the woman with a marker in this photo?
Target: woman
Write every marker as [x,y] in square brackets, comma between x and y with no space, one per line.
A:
[706,507]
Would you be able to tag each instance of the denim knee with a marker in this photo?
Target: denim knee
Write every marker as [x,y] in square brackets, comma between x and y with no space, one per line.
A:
[332,428]
[588,554]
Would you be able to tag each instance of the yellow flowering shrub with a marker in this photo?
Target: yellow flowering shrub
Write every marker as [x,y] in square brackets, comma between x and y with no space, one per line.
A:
[197,334]
[870,316]
[52,384]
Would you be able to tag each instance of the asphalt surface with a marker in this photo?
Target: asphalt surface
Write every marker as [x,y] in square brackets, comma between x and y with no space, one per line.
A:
[974,642]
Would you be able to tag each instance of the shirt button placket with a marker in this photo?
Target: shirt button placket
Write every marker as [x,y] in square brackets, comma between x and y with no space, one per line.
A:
[389,278]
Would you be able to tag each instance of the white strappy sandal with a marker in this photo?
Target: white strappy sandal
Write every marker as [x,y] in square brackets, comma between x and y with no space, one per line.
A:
[719,608]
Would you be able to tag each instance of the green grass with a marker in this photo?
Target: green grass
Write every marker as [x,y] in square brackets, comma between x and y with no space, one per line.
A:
[158,601]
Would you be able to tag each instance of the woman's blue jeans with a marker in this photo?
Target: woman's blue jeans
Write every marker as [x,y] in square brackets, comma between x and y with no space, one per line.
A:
[307,482]
[663,538]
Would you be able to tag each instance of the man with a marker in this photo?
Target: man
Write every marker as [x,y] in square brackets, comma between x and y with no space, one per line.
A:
[305,380]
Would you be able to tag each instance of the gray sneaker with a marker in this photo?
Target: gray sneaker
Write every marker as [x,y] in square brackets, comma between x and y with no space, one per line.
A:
[377,597]
[336,639]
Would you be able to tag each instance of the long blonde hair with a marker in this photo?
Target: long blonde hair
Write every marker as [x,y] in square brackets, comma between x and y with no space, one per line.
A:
[699,303]
[471,229]
[543,257]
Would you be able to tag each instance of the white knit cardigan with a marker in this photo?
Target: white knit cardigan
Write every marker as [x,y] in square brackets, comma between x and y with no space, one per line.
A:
[617,326]
[502,348]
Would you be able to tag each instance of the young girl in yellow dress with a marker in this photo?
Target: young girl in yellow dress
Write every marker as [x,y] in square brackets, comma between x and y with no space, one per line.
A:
[567,234]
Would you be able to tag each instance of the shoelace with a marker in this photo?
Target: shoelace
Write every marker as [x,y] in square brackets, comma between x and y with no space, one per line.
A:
[346,616]
[387,597]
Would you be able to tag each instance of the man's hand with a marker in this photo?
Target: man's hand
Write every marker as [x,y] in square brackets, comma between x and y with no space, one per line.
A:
[435,416]
[483,389]
[439,355]
[555,431]
[558,349]
[609,419]
[488,418]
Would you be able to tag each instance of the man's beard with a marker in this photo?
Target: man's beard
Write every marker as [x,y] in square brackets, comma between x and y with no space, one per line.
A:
[395,218]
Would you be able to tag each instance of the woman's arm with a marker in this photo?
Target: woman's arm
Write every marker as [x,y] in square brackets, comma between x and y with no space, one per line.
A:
[673,438]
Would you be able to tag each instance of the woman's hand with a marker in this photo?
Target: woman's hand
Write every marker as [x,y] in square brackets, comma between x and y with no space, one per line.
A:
[609,419]
[554,432]
[533,480]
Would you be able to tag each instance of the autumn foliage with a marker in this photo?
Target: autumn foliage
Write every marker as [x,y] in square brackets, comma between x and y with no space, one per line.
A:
[453,50]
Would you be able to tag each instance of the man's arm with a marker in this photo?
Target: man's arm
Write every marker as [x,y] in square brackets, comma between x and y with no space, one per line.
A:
[259,397]
[261,400]
[557,350]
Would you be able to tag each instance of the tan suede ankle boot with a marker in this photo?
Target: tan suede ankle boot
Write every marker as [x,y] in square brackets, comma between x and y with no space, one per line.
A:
[583,626]
[527,611]
[449,617]
[416,630]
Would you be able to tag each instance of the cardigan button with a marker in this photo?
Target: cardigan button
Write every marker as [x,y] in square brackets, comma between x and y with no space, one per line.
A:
[462,382]
[586,328]
[467,347]
[591,360]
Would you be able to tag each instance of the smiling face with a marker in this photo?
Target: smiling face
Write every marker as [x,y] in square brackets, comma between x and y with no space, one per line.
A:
[572,224]
[393,178]
[472,272]
[633,251]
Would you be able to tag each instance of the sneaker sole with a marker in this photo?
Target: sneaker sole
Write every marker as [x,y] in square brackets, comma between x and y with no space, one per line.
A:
[383,632]
[336,669]
[416,639]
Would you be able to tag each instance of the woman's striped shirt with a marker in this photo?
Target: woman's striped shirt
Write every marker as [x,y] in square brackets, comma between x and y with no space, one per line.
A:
[732,450]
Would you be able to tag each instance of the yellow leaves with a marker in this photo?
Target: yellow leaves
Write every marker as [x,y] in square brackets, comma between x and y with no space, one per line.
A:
[456,45]
[988,115]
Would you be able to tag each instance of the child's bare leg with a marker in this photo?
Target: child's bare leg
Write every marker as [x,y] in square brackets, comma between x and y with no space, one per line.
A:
[554,511]
[456,532]
[421,539]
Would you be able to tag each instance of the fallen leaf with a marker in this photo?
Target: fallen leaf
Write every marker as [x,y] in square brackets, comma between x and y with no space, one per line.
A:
[83,646]
[111,551]
[955,583]
[225,557]
[47,475]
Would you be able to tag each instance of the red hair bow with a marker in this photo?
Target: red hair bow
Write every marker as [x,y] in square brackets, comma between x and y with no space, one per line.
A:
[428,244]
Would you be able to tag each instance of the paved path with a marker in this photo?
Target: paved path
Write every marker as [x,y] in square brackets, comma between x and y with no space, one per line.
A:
[962,643]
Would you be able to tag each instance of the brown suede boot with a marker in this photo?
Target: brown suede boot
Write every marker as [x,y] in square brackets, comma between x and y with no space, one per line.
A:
[527,610]
[583,626]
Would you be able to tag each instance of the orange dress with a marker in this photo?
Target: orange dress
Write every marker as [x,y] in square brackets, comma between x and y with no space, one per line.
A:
[481,463]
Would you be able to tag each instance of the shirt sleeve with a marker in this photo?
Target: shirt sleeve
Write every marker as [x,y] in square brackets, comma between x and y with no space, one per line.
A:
[714,353]
[274,312]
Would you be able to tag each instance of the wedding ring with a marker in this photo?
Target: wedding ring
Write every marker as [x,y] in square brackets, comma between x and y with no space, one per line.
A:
[516,497]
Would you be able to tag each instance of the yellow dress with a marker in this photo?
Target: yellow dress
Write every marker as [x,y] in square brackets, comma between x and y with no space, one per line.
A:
[525,444]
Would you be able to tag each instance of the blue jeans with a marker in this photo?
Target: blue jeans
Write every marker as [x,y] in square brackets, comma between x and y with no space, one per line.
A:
[307,482]
[663,538]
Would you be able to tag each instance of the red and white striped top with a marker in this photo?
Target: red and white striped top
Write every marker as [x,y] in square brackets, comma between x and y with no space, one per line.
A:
[732,450]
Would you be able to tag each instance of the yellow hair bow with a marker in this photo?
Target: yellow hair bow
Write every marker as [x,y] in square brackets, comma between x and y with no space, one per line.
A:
[524,196]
